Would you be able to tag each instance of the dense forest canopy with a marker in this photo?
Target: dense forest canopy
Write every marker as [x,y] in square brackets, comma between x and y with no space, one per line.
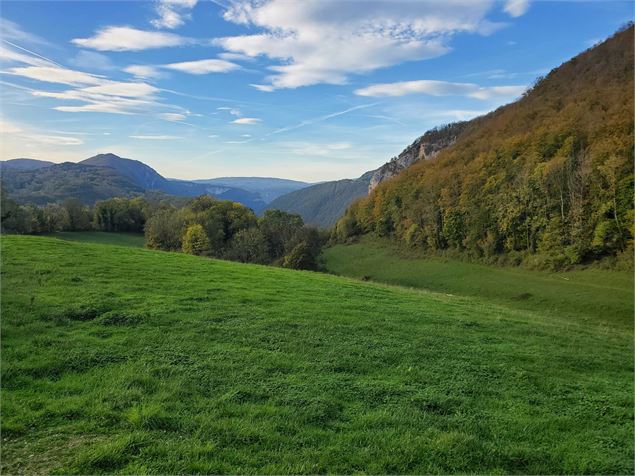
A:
[547,179]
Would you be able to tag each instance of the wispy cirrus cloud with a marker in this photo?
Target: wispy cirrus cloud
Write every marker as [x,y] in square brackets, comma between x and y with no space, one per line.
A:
[172,116]
[440,88]
[12,53]
[13,32]
[154,137]
[143,71]
[41,137]
[323,118]
[234,111]
[92,60]
[54,74]
[319,150]
[89,92]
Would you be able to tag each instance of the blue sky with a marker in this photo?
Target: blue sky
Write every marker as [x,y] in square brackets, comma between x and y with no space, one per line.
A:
[311,90]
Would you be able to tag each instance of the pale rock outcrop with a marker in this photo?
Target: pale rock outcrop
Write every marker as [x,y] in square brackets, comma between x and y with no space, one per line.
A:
[425,147]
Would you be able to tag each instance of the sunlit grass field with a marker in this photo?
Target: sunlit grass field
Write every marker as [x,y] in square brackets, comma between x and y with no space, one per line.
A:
[124,360]
[589,294]
[107,238]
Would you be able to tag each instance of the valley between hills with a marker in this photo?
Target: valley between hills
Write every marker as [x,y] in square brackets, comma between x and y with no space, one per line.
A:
[467,307]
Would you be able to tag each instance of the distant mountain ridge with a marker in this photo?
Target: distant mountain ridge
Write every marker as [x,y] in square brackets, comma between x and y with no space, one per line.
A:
[108,175]
[145,176]
[269,188]
[25,164]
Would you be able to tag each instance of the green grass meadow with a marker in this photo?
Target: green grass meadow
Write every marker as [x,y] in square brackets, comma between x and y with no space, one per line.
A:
[589,294]
[124,360]
[108,238]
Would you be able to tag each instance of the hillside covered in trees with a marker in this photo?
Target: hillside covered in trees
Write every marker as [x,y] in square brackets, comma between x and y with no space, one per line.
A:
[324,203]
[547,179]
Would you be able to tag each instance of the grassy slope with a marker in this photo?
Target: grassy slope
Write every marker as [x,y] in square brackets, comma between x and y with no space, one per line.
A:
[595,294]
[108,238]
[117,359]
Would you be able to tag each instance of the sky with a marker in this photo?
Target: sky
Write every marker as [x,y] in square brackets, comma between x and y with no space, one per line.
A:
[311,90]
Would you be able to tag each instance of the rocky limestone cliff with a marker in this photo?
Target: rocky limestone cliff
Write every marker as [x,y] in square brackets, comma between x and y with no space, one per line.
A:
[425,147]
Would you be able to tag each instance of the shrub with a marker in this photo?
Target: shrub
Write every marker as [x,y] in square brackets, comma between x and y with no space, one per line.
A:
[301,257]
[249,246]
[195,241]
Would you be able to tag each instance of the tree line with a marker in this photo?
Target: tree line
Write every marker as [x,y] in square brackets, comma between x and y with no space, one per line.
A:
[201,226]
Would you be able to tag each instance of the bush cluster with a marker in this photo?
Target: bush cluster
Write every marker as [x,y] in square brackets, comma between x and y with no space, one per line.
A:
[229,230]
[203,226]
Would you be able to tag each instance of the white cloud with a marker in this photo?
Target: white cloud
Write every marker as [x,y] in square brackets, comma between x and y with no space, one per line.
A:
[234,111]
[173,116]
[324,41]
[115,88]
[235,57]
[16,54]
[191,67]
[7,127]
[106,96]
[124,38]
[440,88]
[95,93]
[110,108]
[143,71]
[11,54]
[150,137]
[55,140]
[267,88]
[203,66]
[320,150]
[50,74]
[172,13]
[247,120]
[516,8]
[92,60]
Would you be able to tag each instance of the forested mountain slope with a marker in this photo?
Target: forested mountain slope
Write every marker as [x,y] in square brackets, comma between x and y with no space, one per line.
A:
[58,182]
[549,177]
[324,203]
